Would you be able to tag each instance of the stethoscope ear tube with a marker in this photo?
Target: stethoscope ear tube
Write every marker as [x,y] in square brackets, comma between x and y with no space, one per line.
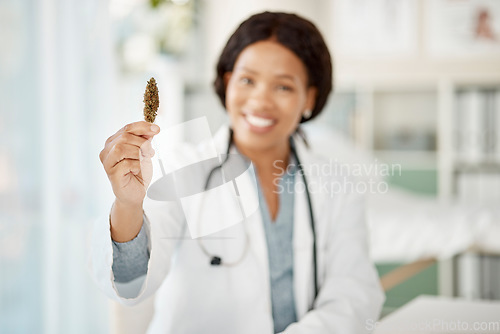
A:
[311,218]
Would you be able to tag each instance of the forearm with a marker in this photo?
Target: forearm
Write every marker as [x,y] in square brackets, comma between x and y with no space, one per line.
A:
[125,221]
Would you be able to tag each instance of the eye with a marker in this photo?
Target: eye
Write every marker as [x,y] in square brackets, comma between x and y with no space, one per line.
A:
[285,88]
[246,81]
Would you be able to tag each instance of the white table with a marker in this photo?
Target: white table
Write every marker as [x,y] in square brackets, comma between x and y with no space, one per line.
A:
[436,315]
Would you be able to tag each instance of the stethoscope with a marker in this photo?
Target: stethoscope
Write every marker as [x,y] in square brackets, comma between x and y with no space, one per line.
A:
[217,260]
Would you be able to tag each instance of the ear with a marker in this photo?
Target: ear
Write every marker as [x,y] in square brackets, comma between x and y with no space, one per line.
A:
[312,92]
[226,78]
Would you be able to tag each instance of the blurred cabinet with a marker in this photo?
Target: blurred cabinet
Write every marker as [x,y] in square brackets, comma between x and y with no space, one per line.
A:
[404,122]
[398,123]
[444,133]
[475,143]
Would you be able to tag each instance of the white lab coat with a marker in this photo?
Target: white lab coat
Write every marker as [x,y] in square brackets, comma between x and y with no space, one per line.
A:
[193,297]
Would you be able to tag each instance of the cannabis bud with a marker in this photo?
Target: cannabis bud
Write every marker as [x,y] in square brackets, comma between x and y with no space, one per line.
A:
[151,101]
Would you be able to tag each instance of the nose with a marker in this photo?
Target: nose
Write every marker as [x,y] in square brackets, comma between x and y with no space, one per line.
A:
[261,98]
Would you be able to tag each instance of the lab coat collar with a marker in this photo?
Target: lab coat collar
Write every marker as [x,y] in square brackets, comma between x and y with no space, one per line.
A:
[221,140]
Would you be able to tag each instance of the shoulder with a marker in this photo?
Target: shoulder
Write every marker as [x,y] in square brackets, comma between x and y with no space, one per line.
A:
[332,157]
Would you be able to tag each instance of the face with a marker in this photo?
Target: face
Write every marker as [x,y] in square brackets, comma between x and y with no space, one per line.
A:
[266,95]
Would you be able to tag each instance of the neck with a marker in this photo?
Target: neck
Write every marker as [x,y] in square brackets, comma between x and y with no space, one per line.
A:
[272,160]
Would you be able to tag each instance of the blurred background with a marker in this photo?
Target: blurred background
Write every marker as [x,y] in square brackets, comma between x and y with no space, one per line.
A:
[417,85]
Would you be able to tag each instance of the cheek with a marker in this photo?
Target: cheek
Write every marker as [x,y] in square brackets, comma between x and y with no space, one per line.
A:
[292,111]
[295,120]
[293,108]
[233,96]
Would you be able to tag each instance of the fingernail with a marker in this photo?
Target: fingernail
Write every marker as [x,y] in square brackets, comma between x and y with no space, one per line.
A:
[155,128]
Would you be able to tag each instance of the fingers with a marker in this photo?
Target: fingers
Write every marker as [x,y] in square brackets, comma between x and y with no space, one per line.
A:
[125,138]
[129,166]
[141,128]
[146,170]
[127,156]
[125,172]
[124,168]
[118,153]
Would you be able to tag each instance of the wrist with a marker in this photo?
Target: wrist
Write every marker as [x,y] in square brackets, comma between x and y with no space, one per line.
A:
[125,221]
[129,207]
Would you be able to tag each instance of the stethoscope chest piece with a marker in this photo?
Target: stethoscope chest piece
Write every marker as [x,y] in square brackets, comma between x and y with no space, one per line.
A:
[215,261]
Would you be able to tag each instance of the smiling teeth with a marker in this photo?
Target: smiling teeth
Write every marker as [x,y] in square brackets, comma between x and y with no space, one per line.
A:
[259,121]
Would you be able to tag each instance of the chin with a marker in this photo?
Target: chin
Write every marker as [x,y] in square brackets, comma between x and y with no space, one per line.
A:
[255,142]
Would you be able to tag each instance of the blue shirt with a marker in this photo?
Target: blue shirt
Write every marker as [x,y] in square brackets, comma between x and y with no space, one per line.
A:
[279,236]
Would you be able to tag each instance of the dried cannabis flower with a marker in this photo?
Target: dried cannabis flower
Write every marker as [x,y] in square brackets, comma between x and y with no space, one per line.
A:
[151,101]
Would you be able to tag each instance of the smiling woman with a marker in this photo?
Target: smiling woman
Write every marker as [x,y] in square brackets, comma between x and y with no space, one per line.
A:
[306,269]
[274,73]
[267,94]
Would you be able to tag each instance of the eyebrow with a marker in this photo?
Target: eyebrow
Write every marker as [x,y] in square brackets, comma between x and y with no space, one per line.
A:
[245,69]
[284,76]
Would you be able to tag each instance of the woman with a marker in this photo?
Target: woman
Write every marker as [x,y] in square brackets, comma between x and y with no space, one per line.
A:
[298,266]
